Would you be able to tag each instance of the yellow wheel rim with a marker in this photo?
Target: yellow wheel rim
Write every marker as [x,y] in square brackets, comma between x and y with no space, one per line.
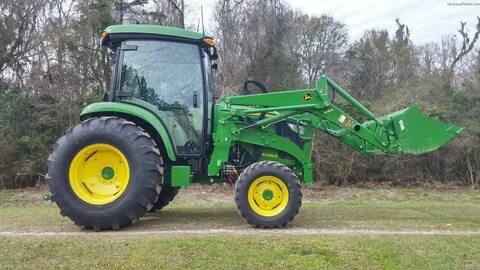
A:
[99,174]
[268,196]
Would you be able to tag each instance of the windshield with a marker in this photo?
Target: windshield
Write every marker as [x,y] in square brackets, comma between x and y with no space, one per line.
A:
[167,77]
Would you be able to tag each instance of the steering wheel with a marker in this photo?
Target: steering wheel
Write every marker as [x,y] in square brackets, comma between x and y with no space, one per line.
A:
[247,91]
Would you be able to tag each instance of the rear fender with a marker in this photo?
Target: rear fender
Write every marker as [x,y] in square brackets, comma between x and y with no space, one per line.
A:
[117,108]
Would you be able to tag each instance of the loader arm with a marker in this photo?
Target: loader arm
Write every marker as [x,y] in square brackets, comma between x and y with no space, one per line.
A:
[236,118]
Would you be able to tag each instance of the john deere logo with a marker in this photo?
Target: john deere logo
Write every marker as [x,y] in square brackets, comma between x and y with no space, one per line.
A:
[307,96]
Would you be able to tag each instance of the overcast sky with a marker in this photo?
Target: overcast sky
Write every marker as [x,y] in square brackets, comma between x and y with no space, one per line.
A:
[428,20]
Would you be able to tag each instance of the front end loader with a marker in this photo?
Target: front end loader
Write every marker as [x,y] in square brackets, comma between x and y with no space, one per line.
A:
[160,129]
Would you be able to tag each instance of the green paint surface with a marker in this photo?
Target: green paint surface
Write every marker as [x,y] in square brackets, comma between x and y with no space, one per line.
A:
[153,30]
[108,173]
[116,108]
[267,194]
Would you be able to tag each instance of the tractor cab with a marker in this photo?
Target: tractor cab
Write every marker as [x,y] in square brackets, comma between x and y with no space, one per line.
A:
[167,71]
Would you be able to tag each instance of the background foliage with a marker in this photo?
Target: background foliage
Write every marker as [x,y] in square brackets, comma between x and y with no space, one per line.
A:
[50,66]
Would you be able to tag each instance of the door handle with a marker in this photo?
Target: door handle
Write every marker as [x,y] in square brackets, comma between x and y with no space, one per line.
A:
[195,99]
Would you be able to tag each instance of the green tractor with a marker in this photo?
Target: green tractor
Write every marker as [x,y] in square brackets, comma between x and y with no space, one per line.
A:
[160,128]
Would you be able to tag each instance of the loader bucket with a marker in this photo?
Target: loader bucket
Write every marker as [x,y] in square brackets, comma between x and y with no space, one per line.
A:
[417,133]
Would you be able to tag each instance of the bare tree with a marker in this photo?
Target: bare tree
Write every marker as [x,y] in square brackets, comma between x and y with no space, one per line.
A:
[125,8]
[444,58]
[252,37]
[161,12]
[466,44]
[229,18]
[404,56]
[320,41]
[370,63]
[18,29]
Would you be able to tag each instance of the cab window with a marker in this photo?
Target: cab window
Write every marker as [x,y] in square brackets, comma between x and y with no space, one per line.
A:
[167,77]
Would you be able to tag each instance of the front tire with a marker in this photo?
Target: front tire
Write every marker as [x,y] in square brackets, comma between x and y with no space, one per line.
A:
[268,195]
[104,173]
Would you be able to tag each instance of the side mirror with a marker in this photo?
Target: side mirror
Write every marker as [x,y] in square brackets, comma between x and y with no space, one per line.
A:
[212,52]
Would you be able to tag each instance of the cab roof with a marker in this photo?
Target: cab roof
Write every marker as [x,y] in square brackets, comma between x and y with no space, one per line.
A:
[153,30]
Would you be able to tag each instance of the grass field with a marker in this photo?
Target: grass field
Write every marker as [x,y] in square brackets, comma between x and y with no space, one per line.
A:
[418,211]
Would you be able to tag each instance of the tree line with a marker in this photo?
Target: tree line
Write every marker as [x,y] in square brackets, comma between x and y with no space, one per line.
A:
[51,65]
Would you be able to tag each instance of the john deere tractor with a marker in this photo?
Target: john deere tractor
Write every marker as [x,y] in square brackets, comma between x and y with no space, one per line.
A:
[160,128]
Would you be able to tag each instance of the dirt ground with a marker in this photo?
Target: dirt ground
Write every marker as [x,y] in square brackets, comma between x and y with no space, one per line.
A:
[210,210]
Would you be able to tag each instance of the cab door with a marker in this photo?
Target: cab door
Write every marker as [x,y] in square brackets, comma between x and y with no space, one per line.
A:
[166,78]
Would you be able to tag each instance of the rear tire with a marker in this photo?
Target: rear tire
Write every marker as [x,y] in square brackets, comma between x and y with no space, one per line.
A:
[268,195]
[112,197]
[167,194]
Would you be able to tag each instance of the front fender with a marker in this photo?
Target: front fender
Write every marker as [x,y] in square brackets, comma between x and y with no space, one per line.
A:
[108,108]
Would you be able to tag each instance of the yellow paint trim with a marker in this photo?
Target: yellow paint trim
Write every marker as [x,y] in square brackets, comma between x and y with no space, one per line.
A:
[262,206]
[85,174]
[267,115]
